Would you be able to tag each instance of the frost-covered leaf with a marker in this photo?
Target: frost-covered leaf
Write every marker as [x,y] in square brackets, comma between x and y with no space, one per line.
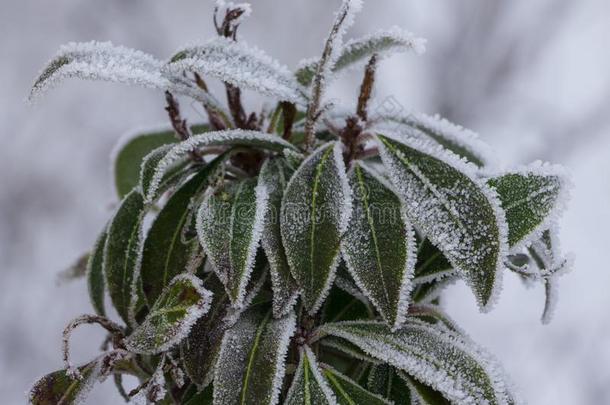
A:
[63,388]
[348,392]
[442,359]
[423,394]
[236,137]
[333,345]
[200,349]
[240,65]
[463,142]
[250,368]
[274,176]
[229,225]
[166,253]
[203,397]
[95,275]
[101,61]
[316,208]
[122,252]
[532,199]
[309,387]
[378,246]
[431,263]
[178,307]
[356,51]
[130,153]
[430,292]
[456,211]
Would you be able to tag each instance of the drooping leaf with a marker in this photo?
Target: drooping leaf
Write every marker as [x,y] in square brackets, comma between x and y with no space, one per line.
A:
[95,274]
[235,137]
[165,253]
[101,61]
[532,199]
[229,225]
[309,387]
[456,211]
[348,392]
[199,351]
[250,368]
[274,176]
[130,154]
[378,245]
[240,65]
[122,252]
[62,388]
[461,141]
[178,307]
[316,208]
[431,264]
[442,359]
[360,50]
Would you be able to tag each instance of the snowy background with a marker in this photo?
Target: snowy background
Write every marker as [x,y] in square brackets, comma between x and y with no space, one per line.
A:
[530,75]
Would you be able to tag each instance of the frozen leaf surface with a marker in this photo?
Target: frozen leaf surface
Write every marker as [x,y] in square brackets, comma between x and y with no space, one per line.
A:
[274,176]
[240,65]
[532,199]
[316,208]
[229,225]
[456,211]
[62,388]
[250,368]
[378,246]
[309,387]
[166,252]
[95,274]
[431,264]
[444,360]
[122,252]
[349,392]
[237,137]
[180,305]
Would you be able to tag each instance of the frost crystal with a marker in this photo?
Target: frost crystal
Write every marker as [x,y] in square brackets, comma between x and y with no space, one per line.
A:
[308,385]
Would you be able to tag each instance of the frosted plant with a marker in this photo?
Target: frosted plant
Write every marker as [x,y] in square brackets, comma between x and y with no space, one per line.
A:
[299,255]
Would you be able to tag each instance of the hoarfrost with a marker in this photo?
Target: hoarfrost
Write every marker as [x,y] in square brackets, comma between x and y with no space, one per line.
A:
[305,389]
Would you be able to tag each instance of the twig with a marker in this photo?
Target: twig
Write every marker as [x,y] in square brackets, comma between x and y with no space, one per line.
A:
[366,89]
[179,124]
[217,119]
[289,111]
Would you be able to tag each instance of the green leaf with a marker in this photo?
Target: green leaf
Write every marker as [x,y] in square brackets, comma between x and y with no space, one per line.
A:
[122,251]
[362,49]
[180,305]
[348,392]
[228,60]
[250,367]
[165,253]
[131,153]
[199,351]
[341,305]
[315,211]
[309,387]
[444,360]
[229,225]
[383,380]
[378,246]
[201,398]
[235,137]
[430,291]
[274,176]
[431,265]
[532,199]
[456,211]
[95,274]
[62,388]
[424,394]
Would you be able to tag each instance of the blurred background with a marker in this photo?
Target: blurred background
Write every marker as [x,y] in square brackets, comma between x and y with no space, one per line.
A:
[531,76]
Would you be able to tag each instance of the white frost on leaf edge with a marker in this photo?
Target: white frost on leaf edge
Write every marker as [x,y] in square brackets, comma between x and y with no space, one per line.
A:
[470,171]
[280,365]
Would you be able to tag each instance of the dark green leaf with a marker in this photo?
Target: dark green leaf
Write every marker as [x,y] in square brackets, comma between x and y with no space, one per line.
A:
[309,387]
[122,251]
[444,360]
[383,380]
[378,245]
[61,388]
[274,176]
[229,225]
[431,264]
[348,392]
[176,310]
[165,253]
[456,211]
[531,200]
[250,367]
[315,211]
[95,275]
[424,394]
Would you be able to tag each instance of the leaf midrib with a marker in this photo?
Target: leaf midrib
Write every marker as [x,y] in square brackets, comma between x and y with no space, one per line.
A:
[251,355]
